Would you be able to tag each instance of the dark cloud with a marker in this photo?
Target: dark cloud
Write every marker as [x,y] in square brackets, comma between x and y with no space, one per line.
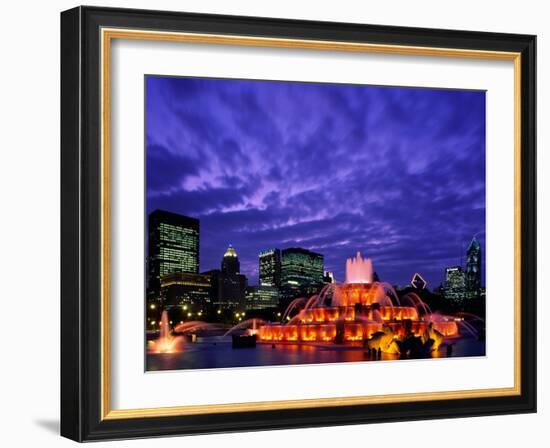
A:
[397,173]
[165,170]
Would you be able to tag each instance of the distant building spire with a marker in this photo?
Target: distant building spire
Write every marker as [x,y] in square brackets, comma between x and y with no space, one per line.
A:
[230,252]
[473,269]
[230,261]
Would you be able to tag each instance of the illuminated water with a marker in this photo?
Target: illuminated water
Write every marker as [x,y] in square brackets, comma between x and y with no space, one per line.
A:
[211,353]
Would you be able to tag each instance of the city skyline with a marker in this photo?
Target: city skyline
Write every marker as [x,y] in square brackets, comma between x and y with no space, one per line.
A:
[280,255]
[332,173]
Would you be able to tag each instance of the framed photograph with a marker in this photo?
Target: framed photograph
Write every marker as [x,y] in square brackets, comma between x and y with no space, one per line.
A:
[275,224]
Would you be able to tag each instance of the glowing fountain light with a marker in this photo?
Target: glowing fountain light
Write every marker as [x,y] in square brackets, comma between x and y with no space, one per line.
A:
[358,269]
[166,343]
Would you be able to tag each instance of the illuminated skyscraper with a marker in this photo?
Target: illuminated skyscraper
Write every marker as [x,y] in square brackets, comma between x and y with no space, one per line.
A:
[228,284]
[302,272]
[473,269]
[270,268]
[230,261]
[455,283]
[173,246]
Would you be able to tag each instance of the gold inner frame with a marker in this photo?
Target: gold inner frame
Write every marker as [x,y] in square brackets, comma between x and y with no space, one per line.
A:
[107,35]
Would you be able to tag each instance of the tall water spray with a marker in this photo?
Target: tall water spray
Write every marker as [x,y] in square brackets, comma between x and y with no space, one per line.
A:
[358,269]
[164,326]
[166,343]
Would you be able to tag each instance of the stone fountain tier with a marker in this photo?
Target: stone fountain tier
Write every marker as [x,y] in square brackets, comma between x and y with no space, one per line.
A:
[353,331]
[351,323]
[358,312]
[349,294]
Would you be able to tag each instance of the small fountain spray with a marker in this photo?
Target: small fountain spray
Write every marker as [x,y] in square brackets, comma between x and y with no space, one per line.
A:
[166,343]
[250,327]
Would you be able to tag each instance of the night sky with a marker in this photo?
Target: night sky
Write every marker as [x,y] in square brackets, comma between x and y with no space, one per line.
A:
[397,173]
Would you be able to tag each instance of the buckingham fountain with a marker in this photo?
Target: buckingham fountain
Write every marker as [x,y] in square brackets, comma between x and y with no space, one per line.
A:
[362,310]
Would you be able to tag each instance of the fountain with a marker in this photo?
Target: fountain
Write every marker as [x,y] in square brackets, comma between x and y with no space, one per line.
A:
[363,311]
[166,343]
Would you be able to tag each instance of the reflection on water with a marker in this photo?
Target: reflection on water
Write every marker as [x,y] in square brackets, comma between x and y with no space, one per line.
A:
[213,352]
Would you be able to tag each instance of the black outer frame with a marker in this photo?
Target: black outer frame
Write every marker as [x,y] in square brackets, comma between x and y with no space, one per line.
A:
[81,224]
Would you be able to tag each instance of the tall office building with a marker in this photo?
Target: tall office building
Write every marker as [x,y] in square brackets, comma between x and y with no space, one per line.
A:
[455,283]
[228,284]
[270,268]
[473,269]
[173,246]
[302,272]
[230,261]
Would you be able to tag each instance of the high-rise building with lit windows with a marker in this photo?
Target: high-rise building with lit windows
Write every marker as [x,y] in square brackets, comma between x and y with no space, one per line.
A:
[173,246]
[465,284]
[473,269]
[228,284]
[230,262]
[302,272]
[270,268]
[455,284]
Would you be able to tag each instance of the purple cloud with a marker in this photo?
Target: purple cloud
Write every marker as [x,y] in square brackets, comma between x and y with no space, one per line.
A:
[397,173]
